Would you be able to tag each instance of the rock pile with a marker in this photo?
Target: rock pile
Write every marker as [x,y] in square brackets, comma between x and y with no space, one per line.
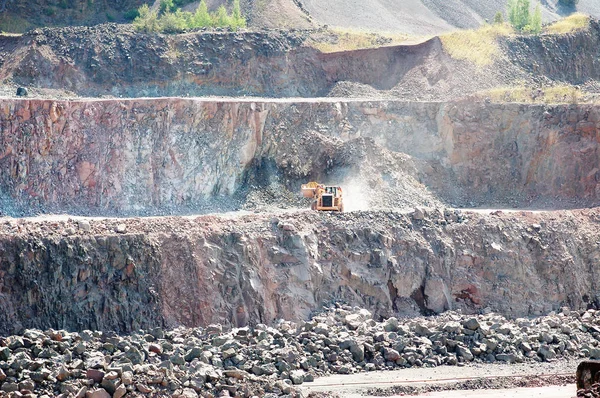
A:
[271,361]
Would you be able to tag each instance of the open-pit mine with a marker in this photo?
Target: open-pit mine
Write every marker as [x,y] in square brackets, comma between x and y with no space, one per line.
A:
[154,241]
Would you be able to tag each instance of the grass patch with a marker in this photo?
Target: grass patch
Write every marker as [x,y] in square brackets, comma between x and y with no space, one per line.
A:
[478,46]
[339,39]
[560,94]
[13,24]
[572,23]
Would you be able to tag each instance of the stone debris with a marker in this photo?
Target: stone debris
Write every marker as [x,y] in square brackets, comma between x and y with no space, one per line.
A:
[272,361]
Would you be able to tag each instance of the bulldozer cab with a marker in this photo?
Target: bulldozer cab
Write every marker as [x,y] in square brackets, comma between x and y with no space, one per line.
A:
[326,198]
[331,190]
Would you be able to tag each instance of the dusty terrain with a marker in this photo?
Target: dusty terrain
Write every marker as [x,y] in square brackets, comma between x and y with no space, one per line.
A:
[417,17]
[113,61]
[166,250]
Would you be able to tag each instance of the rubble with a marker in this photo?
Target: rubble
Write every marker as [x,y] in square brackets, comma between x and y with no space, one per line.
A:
[273,360]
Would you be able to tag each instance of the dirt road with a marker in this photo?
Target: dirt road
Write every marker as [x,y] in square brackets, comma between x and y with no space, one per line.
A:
[445,378]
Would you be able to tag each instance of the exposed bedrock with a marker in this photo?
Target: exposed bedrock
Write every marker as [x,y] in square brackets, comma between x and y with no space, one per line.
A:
[258,268]
[146,155]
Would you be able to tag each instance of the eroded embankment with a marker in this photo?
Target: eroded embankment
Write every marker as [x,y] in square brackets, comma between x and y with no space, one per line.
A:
[150,156]
[125,274]
[116,60]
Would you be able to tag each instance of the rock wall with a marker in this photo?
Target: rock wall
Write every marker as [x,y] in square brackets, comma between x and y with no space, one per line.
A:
[147,156]
[125,274]
[570,58]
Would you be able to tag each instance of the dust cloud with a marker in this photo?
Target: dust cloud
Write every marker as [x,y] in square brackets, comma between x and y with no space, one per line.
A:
[356,194]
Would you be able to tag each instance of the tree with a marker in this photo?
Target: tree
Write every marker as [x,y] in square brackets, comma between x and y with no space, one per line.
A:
[175,22]
[518,13]
[535,23]
[201,17]
[147,20]
[166,6]
[238,20]
[221,18]
[498,18]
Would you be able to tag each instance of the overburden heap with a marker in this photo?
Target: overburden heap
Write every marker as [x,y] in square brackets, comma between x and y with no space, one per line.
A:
[272,361]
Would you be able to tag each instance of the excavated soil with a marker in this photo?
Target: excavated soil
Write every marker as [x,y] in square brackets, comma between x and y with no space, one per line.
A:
[113,60]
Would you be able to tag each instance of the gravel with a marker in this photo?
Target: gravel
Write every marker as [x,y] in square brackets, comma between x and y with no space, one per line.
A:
[273,361]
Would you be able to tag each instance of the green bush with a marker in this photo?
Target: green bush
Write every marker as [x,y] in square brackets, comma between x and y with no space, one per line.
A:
[201,18]
[518,13]
[238,20]
[181,3]
[535,22]
[175,22]
[130,15]
[167,21]
[498,18]
[221,19]
[166,6]
[521,19]
[147,20]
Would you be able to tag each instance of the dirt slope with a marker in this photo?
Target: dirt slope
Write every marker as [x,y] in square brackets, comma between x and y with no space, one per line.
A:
[418,17]
[422,17]
[114,60]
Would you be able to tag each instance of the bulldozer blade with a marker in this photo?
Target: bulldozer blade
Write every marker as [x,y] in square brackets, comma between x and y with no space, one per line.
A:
[588,373]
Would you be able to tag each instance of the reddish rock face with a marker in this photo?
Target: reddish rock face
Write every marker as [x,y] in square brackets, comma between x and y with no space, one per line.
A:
[133,156]
[183,271]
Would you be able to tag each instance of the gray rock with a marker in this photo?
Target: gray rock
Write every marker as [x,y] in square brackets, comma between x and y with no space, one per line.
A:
[127,378]
[322,329]
[110,385]
[464,352]
[192,354]
[418,214]
[10,387]
[422,330]
[98,393]
[471,324]
[84,225]
[391,355]
[546,352]
[452,327]
[509,358]
[95,374]
[4,353]
[177,359]
[120,391]
[391,325]
[134,355]
[297,377]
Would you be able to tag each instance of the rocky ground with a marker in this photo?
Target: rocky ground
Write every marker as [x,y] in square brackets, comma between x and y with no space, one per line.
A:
[285,280]
[113,60]
[273,361]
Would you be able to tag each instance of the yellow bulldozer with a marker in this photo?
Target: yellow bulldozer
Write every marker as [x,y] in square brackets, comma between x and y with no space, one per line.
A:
[326,198]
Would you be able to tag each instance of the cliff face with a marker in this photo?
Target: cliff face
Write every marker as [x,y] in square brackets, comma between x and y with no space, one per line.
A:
[148,156]
[79,274]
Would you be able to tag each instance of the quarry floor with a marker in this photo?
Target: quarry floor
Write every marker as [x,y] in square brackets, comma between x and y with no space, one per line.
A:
[362,385]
